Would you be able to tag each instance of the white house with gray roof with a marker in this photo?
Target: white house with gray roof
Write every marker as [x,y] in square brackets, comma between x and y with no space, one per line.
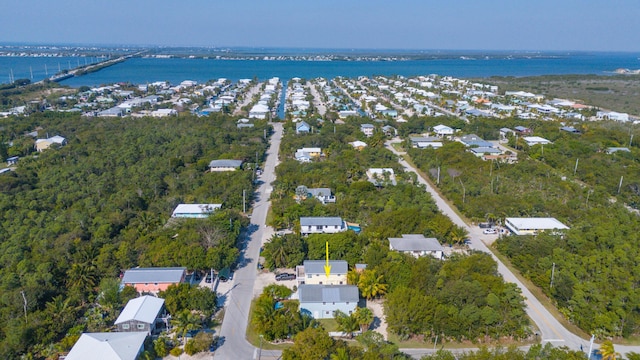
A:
[321,301]
[108,346]
[312,272]
[321,225]
[225,165]
[195,211]
[417,245]
[141,314]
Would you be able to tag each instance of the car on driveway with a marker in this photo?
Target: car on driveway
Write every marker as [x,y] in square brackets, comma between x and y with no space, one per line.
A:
[285,276]
[489,231]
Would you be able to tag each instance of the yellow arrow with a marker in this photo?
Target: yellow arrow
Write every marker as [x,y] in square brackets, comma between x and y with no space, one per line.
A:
[327,267]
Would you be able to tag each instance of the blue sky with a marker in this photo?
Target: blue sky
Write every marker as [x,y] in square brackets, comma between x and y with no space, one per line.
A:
[401,24]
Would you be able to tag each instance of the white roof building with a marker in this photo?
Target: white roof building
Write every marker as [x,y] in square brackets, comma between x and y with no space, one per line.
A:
[194,210]
[108,346]
[535,140]
[531,226]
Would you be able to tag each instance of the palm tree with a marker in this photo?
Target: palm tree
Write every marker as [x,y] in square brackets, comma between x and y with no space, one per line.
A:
[346,323]
[341,354]
[278,250]
[371,284]
[353,277]
[457,234]
[607,351]
[186,321]
[364,316]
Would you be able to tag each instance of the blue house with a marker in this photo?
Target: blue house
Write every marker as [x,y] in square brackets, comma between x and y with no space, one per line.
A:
[303,127]
[321,301]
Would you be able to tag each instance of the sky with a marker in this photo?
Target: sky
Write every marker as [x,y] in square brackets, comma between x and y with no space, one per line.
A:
[556,25]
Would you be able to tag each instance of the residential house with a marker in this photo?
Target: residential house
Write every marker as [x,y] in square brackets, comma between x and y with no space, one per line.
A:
[425,142]
[570,129]
[259,111]
[523,130]
[306,154]
[389,130]
[612,150]
[141,314]
[504,133]
[367,129]
[475,140]
[244,126]
[153,280]
[321,194]
[443,130]
[313,272]
[531,226]
[195,211]
[43,144]
[535,140]
[321,301]
[481,151]
[612,115]
[108,346]
[303,127]
[417,245]
[112,112]
[164,112]
[12,160]
[321,225]
[381,176]
[358,145]
[224,165]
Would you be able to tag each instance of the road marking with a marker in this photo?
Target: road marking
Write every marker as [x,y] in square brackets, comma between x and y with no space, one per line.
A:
[544,319]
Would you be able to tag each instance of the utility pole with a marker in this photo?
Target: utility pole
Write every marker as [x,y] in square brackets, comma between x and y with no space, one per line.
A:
[553,272]
[244,204]
[620,185]
[438,182]
[576,168]
[24,299]
[630,140]
[464,191]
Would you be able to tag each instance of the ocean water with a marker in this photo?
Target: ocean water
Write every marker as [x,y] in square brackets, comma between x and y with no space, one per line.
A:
[40,67]
[175,70]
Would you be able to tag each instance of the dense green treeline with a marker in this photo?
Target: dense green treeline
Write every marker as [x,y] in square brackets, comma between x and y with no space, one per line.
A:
[77,214]
[595,282]
[461,298]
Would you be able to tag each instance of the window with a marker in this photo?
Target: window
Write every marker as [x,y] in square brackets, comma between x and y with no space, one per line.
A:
[308,276]
[340,282]
[347,303]
[125,326]
[324,303]
[333,303]
[156,284]
[146,283]
[326,312]
[320,283]
[141,326]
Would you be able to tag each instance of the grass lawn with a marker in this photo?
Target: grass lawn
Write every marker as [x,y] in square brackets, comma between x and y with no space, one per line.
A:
[329,324]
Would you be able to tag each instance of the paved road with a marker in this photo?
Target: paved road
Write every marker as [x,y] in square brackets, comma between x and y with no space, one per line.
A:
[234,326]
[317,98]
[550,329]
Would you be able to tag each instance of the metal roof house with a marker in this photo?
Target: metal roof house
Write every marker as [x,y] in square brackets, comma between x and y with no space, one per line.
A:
[321,301]
[225,165]
[531,226]
[312,272]
[195,211]
[321,194]
[417,245]
[153,280]
[321,225]
[43,144]
[303,127]
[108,346]
[141,314]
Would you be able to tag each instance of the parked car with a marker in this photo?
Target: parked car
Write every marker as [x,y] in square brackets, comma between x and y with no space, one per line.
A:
[285,276]
[485,225]
[208,278]
[489,231]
